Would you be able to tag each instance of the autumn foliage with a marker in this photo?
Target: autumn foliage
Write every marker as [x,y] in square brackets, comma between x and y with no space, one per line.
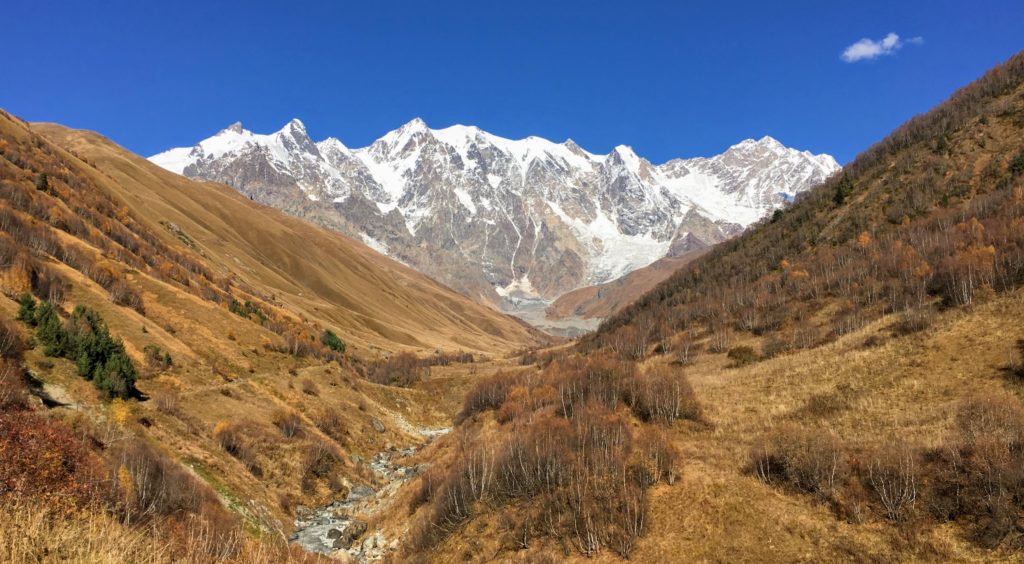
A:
[931,215]
[569,452]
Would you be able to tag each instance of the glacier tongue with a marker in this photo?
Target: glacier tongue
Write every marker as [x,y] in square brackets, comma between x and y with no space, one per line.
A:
[495,217]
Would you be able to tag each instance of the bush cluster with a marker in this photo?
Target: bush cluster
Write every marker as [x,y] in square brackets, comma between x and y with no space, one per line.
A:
[85,340]
[976,476]
[570,449]
[330,340]
[247,309]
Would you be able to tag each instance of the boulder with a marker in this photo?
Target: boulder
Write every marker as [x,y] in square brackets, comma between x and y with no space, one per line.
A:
[359,492]
[352,531]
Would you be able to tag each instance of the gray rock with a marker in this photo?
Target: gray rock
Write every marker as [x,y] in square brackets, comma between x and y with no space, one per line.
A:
[354,530]
[359,492]
[369,544]
[378,425]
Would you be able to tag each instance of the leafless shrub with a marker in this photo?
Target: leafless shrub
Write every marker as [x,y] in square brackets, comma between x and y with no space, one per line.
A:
[151,483]
[661,394]
[13,391]
[488,393]
[231,436]
[320,460]
[11,345]
[122,294]
[656,458]
[330,422]
[403,369]
[166,402]
[685,348]
[742,355]
[309,387]
[775,345]
[913,321]
[892,475]
[808,460]
[288,421]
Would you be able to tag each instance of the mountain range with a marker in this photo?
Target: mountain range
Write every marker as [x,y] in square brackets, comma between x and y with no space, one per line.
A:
[505,221]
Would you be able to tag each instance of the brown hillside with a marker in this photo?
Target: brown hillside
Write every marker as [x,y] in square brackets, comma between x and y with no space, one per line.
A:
[321,274]
[930,213]
[229,409]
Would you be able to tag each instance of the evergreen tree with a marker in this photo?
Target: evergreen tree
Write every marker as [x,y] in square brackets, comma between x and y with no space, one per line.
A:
[85,340]
[1017,164]
[42,181]
[27,309]
[117,375]
[331,341]
[50,331]
[843,189]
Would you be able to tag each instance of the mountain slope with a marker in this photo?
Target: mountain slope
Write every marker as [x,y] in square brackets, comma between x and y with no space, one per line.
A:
[167,378]
[843,380]
[502,219]
[928,213]
[325,276]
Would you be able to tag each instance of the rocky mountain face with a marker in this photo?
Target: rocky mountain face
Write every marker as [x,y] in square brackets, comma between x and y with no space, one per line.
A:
[505,220]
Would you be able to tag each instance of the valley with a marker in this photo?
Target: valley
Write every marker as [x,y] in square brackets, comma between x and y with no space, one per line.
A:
[447,345]
[535,312]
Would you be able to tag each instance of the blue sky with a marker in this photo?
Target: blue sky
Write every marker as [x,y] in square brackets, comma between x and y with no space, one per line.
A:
[670,79]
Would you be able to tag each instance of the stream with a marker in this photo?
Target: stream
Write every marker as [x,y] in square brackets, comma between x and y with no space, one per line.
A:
[336,527]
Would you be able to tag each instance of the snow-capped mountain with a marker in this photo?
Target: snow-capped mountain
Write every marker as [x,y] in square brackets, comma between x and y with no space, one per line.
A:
[496,217]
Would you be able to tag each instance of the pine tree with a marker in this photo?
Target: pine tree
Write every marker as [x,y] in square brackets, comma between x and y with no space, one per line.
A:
[116,377]
[843,189]
[42,181]
[27,309]
[331,341]
[1017,164]
[50,331]
[85,340]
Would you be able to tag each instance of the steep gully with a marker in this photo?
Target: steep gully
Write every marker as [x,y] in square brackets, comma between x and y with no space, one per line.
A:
[341,526]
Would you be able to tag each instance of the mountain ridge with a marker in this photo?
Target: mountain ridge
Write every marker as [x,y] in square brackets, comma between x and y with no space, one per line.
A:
[501,219]
[329,283]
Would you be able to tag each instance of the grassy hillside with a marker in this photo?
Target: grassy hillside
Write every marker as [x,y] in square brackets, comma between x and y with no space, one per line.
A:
[318,273]
[866,390]
[170,384]
[842,382]
[930,213]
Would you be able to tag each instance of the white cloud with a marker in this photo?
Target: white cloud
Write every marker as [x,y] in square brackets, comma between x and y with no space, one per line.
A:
[867,49]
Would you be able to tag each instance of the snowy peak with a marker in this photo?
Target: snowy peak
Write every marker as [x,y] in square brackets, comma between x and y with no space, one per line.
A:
[766,142]
[294,134]
[294,127]
[332,144]
[235,128]
[505,219]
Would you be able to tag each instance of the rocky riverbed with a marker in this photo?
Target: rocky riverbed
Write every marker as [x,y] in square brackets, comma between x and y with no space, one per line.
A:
[338,528]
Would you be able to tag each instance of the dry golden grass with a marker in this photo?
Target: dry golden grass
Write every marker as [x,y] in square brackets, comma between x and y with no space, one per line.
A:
[372,301]
[34,532]
[908,387]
